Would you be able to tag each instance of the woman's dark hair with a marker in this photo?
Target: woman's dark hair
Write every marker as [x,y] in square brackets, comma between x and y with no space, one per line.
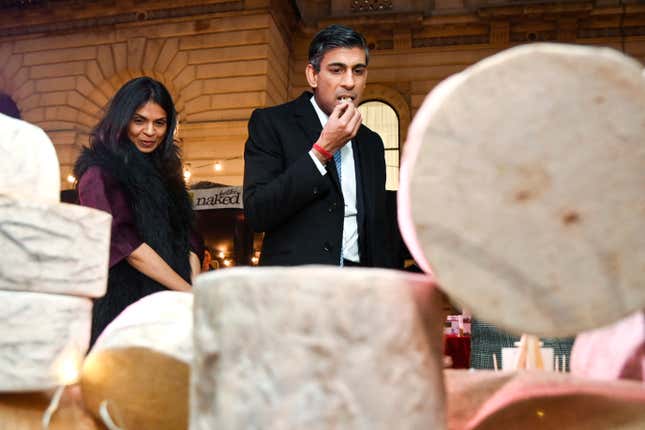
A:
[332,37]
[112,130]
[8,106]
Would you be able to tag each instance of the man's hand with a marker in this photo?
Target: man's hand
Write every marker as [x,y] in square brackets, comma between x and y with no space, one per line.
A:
[342,126]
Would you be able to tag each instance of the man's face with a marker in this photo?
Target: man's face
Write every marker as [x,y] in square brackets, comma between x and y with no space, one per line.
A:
[343,73]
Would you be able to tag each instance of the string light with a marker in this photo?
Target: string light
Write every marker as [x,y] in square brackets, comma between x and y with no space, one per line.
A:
[187,173]
[227,262]
[216,165]
[71,178]
[221,254]
[255,260]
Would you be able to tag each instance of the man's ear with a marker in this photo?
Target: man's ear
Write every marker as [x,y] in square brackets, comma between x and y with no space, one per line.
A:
[312,76]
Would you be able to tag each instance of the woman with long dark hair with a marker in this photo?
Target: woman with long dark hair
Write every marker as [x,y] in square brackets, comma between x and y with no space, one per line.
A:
[132,170]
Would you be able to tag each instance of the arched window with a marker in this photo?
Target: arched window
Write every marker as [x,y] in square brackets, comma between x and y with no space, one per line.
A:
[382,119]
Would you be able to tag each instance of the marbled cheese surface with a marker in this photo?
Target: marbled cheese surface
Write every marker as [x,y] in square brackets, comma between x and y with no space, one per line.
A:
[53,248]
[43,339]
[316,347]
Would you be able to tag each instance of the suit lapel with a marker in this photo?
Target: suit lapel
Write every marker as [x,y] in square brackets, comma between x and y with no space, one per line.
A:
[362,160]
[360,147]
[307,119]
[309,122]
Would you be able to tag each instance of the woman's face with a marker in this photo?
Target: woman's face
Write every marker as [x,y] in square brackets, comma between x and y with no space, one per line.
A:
[148,127]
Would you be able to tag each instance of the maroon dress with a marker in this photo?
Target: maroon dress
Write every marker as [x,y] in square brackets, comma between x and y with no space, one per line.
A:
[100,190]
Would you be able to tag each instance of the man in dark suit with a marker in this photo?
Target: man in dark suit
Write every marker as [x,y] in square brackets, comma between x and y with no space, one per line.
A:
[314,178]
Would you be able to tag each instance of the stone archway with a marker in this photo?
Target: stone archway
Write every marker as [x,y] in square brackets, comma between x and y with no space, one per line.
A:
[157,58]
[113,66]
[66,99]
[14,77]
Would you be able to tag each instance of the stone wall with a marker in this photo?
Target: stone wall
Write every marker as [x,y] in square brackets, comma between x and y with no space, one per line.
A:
[218,67]
[411,52]
[221,59]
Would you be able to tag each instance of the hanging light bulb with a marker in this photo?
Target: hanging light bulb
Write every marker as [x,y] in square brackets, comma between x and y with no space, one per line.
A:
[71,178]
[187,173]
[217,166]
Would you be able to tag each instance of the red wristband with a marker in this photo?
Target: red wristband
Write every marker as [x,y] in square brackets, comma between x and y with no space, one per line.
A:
[328,155]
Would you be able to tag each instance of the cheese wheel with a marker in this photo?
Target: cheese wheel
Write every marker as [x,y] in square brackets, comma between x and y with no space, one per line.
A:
[522,188]
[140,364]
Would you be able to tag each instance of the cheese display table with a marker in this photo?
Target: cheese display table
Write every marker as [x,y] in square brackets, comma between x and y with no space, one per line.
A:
[522,198]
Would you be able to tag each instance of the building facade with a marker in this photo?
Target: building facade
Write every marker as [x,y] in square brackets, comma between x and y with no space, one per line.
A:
[61,60]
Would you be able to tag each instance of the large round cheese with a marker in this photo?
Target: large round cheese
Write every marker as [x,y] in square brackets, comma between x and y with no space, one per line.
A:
[523,188]
[138,369]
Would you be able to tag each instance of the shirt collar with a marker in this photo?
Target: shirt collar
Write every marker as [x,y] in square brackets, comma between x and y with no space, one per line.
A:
[322,116]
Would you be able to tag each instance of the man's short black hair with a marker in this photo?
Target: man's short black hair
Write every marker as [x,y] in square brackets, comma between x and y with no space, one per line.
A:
[332,37]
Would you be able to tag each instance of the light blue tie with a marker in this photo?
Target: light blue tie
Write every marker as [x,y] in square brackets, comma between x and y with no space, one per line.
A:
[338,160]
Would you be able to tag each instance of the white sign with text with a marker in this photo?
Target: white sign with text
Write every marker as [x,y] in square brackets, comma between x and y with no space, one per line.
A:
[217,198]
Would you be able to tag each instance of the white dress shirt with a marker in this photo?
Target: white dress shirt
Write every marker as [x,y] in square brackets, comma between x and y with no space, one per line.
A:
[348,186]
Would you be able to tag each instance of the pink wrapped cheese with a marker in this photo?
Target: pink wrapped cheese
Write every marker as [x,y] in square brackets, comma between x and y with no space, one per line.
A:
[612,352]
[536,400]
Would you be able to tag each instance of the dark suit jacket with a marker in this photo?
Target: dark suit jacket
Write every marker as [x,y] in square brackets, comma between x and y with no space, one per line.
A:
[300,210]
